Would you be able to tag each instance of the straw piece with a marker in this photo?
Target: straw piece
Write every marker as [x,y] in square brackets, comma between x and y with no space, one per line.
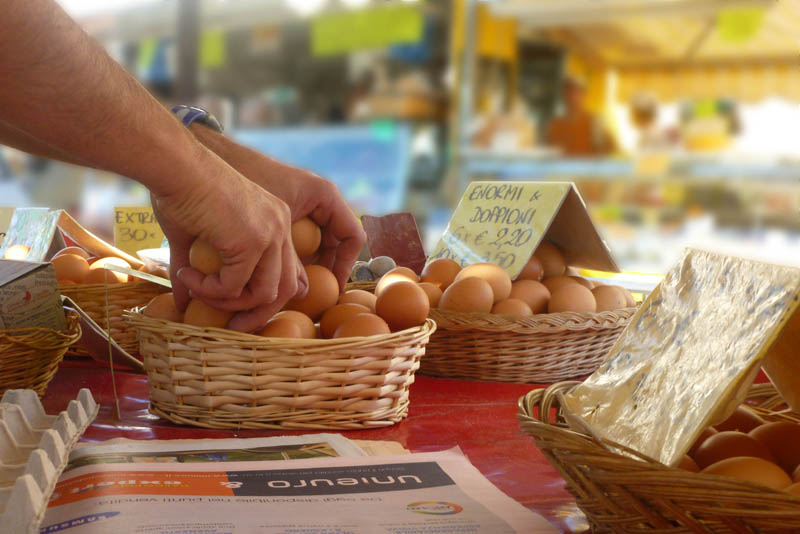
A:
[623,492]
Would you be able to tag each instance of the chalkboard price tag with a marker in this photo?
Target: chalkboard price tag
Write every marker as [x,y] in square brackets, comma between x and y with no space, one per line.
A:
[136,228]
[503,222]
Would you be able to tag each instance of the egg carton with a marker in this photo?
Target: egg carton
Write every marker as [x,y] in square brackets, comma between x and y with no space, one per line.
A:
[34,448]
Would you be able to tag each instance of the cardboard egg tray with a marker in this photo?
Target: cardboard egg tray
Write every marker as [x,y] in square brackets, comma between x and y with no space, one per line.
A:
[34,448]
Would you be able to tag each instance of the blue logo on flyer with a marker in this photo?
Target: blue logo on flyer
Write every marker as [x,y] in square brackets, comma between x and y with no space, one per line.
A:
[77,522]
[434,508]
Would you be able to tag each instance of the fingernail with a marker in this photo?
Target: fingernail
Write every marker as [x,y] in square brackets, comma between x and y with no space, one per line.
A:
[180,272]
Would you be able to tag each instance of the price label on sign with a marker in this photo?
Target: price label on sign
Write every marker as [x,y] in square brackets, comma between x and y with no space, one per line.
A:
[136,228]
[501,223]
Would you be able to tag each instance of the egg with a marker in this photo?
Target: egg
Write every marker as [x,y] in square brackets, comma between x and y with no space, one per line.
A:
[338,314]
[204,257]
[403,305]
[358,296]
[557,282]
[433,292]
[629,300]
[533,293]
[198,313]
[553,262]
[362,325]
[687,464]
[498,279]
[704,435]
[728,444]
[608,298]
[306,236]
[70,267]
[307,327]
[78,251]
[98,274]
[441,272]
[323,292]
[572,298]
[281,328]
[583,281]
[468,295]
[756,470]
[163,307]
[17,252]
[793,488]
[512,307]
[398,274]
[533,270]
[742,419]
[782,439]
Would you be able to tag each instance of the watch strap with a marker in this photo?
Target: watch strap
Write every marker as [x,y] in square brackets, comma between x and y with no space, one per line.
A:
[189,114]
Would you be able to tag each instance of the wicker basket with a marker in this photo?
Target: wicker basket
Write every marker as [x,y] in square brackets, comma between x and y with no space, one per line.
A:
[92,299]
[29,357]
[538,349]
[620,494]
[217,378]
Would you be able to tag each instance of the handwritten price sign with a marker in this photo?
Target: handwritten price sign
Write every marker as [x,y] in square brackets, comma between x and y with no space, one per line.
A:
[501,223]
[136,228]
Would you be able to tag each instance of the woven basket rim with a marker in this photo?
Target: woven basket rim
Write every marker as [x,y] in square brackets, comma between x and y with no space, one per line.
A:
[67,337]
[223,335]
[539,323]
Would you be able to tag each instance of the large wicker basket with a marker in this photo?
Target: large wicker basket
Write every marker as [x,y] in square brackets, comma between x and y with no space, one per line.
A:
[104,303]
[538,349]
[217,378]
[29,357]
[621,494]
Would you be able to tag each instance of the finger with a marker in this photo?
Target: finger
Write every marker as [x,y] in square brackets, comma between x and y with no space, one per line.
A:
[346,255]
[229,283]
[302,281]
[252,320]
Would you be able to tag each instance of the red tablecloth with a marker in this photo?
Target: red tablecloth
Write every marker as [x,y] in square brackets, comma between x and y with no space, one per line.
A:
[478,417]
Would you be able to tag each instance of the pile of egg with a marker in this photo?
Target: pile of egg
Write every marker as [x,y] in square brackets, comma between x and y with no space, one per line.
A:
[746,447]
[73,265]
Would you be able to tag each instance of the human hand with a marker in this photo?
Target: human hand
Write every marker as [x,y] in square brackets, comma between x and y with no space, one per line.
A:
[250,228]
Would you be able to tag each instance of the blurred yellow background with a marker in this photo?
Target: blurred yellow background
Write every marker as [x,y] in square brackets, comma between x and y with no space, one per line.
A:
[677,119]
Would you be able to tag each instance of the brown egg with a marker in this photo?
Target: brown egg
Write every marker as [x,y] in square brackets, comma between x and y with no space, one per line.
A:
[338,314]
[323,292]
[512,307]
[66,283]
[794,488]
[403,305]
[573,298]
[629,300]
[558,282]
[162,272]
[433,292]
[497,277]
[163,307]
[533,293]
[70,267]
[306,236]
[533,270]
[687,464]
[756,470]
[282,328]
[103,275]
[362,325]
[742,419]
[398,274]
[17,252]
[198,313]
[782,439]
[441,272]
[553,262]
[608,298]
[583,281]
[727,445]
[704,435]
[307,327]
[204,257]
[78,251]
[468,295]
[358,296]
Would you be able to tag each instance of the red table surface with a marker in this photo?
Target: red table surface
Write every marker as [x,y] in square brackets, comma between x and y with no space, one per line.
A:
[478,417]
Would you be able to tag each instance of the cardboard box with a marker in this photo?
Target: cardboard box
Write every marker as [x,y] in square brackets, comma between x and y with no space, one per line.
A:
[29,296]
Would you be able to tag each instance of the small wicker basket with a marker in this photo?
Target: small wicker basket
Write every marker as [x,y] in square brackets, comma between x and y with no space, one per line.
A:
[215,378]
[29,357]
[542,348]
[623,495]
[97,300]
